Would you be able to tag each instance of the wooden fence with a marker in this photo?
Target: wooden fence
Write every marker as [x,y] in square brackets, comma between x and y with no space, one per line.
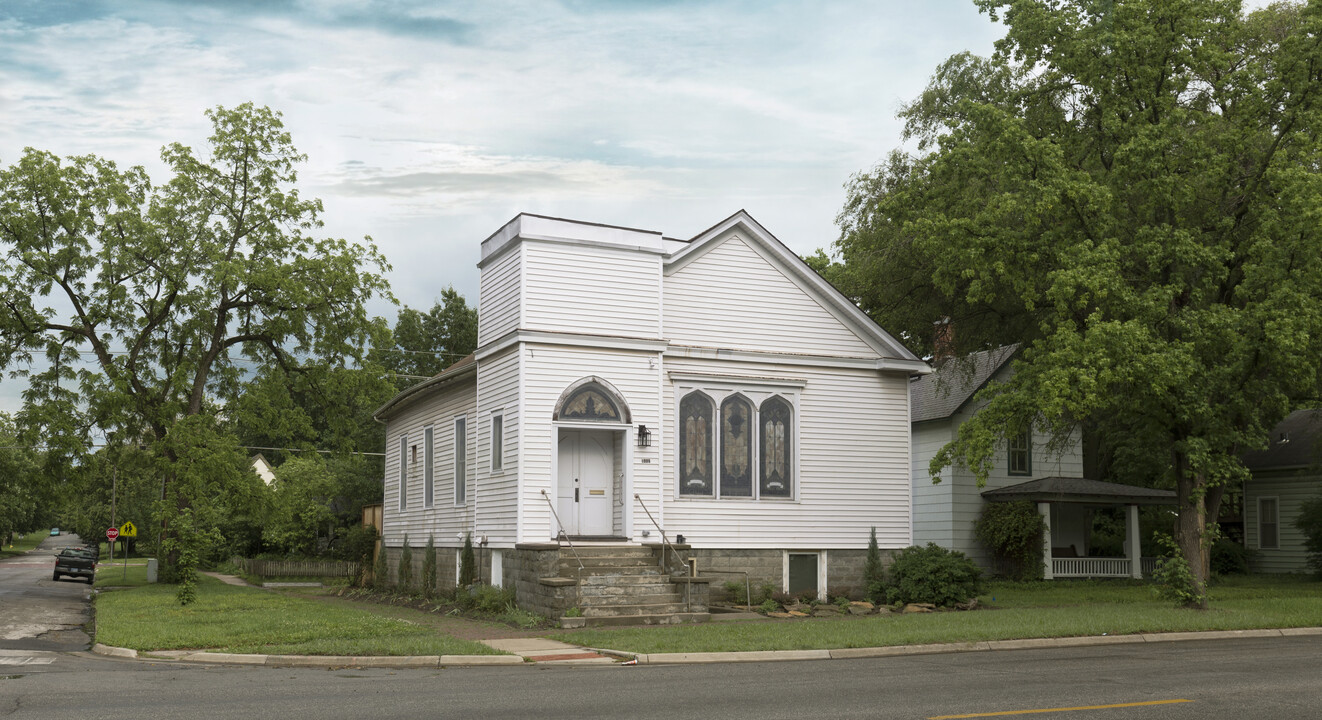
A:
[297,568]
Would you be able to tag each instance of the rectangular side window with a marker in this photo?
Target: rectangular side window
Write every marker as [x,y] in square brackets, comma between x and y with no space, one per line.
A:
[497,442]
[460,461]
[1020,460]
[403,472]
[1268,526]
[427,485]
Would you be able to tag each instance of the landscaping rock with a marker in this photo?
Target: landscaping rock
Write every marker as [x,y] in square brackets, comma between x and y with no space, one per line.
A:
[797,613]
[856,609]
[918,608]
[826,611]
[779,615]
[972,604]
[883,610]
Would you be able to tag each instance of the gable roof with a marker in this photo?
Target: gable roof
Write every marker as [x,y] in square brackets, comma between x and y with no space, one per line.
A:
[944,392]
[824,292]
[1295,442]
[459,370]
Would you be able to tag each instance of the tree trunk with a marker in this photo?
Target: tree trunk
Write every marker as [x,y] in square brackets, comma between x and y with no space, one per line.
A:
[1190,525]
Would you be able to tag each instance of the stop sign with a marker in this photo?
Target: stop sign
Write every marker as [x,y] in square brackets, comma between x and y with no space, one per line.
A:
[112,533]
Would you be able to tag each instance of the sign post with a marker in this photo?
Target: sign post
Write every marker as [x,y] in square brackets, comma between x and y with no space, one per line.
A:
[127,531]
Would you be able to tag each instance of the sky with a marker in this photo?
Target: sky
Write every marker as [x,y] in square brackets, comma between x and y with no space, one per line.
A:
[429,125]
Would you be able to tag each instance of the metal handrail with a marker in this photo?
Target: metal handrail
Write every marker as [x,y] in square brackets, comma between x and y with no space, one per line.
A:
[561,528]
[665,543]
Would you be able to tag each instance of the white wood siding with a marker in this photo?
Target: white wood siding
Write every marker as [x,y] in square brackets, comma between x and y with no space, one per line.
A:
[498,297]
[592,290]
[967,502]
[733,297]
[932,503]
[548,371]
[443,519]
[1290,491]
[853,471]
[498,393]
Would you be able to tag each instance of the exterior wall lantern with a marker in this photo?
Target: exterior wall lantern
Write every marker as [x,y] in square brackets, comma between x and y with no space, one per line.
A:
[644,436]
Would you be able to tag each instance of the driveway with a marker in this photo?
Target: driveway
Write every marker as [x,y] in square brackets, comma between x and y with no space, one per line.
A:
[37,613]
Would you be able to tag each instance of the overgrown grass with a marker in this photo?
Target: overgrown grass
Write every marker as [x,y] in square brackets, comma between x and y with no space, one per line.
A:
[21,545]
[1019,610]
[108,575]
[249,620]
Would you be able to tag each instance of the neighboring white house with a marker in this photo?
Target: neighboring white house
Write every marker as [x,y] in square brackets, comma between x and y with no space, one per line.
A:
[1027,467]
[262,467]
[627,383]
[1285,474]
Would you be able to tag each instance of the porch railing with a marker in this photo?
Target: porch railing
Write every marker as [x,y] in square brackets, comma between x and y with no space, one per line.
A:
[1098,567]
[560,531]
[665,543]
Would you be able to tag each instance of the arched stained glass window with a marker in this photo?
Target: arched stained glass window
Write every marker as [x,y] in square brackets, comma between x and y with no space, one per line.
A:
[696,413]
[736,447]
[776,423]
[590,402]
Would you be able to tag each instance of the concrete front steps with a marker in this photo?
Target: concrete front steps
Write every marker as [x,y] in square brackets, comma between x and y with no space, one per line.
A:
[626,585]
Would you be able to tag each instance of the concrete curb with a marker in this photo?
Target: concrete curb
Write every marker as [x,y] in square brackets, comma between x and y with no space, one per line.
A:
[433,661]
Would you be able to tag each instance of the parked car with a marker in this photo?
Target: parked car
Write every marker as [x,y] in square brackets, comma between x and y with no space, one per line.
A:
[54,532]
[75,562]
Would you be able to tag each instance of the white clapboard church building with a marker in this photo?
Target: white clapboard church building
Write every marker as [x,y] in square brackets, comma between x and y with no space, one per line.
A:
[640,406]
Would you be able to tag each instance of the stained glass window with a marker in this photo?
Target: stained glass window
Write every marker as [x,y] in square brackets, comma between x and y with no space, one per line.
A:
[776,423]
[695,442]
[590,402]
[736,447]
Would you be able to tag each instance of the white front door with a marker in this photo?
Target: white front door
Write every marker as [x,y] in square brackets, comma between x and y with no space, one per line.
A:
[586,486]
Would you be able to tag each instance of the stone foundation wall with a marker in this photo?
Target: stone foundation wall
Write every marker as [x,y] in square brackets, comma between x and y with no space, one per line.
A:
[525,566]
[844,569]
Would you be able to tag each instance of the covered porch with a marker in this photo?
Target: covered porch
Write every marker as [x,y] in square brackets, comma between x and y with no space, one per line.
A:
[1066,504]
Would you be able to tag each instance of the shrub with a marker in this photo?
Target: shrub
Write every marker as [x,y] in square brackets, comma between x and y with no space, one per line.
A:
[932,574]
[1174,579]
[467,564]
[768,606]
[1309,523]
[406,566]
[429,568]
[380,569]
[874,575]
[764,592]
[1229,558]
[1013,531]
[737,592]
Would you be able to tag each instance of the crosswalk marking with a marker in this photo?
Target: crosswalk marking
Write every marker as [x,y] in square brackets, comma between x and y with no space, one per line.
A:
[26,660]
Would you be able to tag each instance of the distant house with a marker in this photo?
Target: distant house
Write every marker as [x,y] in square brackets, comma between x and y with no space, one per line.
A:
[1026,468]
[627,384]
[1285,474]
[262,467]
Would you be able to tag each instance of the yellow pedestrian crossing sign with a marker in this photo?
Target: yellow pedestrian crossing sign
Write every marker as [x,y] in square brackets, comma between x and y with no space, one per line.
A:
[128,530]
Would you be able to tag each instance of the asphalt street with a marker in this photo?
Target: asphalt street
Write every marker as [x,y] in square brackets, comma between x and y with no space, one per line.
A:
[37,613]
[45,674]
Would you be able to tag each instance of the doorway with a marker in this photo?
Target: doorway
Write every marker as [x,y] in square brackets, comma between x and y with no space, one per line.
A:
[585,488]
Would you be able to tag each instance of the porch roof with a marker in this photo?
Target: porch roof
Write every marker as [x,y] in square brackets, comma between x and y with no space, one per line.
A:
[1080,490]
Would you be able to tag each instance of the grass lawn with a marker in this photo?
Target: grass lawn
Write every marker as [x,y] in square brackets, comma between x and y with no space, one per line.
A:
[21,545]
[1034,610]
[249,620]
[108,575]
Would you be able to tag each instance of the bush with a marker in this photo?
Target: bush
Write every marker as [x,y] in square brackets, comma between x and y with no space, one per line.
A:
[380,570]
[874,576]
[1309,523]
[467,564]
[429,568]
[487,599]
[1229,558]
[932,574]
[1175,580]
[406,566]
[1013,531]
[737,592]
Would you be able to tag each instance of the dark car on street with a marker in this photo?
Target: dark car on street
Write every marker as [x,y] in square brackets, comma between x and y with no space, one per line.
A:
[75,562]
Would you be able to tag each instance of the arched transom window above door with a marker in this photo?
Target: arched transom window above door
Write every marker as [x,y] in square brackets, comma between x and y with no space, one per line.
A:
[736,443]
[593,400]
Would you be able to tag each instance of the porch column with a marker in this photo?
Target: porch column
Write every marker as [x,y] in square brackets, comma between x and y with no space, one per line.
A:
[1135,549]
[1045,510]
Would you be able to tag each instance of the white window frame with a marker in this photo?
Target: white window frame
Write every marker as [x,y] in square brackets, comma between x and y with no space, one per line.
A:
[1276,525]
[755,393]
[428,467]
[460,461]
[1010,451]
[403,472]
[497,442]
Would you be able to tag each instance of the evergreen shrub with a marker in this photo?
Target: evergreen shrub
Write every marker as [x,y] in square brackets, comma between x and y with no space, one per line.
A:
[932,574]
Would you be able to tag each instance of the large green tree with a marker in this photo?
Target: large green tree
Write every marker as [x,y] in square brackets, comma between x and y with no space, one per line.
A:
[425,343]
[1131,188]
[173,293]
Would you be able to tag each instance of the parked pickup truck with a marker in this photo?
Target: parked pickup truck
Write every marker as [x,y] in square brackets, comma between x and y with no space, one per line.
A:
[75,562]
